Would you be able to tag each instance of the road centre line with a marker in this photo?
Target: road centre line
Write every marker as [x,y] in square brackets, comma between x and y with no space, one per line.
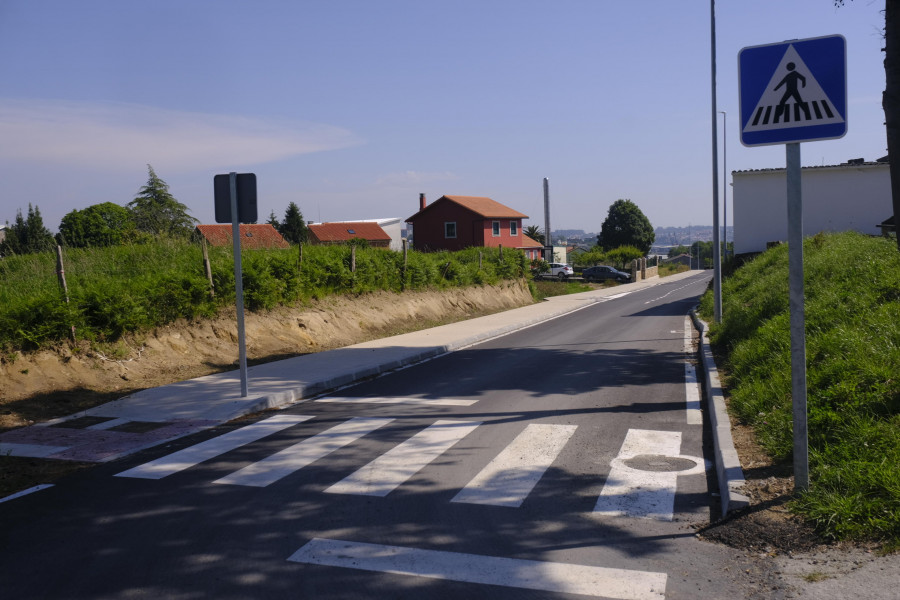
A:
[301,454]
[511,475]
[622,584]
[184,459]
[402,400]
[384,474]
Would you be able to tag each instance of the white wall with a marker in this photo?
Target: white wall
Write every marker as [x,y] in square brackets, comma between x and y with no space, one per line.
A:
[838,198]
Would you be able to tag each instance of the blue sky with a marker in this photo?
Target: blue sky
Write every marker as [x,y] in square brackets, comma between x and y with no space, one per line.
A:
[352,108]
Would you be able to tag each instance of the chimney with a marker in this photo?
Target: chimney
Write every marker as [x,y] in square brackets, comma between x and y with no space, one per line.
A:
[421,201]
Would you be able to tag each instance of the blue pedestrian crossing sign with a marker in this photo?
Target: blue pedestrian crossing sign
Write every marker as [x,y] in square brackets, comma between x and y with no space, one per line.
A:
[793,91]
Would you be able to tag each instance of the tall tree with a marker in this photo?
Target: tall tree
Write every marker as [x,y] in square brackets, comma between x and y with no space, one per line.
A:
[273,220]
[27,234]
[626,225]
[535,233]
[293,228]
[104,224]
[155,210]
[890,99]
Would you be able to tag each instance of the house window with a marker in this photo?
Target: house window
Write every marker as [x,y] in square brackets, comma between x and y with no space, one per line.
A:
[496,229]
[513,228]
[450,229]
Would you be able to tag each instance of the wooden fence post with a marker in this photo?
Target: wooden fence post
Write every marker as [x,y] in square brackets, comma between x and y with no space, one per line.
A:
[403,274]
[61,276]
[501,252]
[299,256]
[353,259]
[480,254]
[208,268]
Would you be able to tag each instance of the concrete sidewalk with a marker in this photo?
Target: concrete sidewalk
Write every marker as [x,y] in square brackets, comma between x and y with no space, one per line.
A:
[153,416]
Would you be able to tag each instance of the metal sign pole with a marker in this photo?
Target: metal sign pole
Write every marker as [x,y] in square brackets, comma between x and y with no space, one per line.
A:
[238,281]
[798,317]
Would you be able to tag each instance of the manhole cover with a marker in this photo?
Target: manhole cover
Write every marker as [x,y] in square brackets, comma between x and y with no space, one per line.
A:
[659,463]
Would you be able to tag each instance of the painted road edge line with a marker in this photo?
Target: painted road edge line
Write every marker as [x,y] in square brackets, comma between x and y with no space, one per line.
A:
[30,490]
[622,584]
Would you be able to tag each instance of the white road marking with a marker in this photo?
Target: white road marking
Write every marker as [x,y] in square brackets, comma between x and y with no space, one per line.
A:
[281,464]
[109,424]
[30,490]
[29,450]
[636,493]
[399,400]
[691,387]
[509,478]
[624,584]
[184,459]
[393,468]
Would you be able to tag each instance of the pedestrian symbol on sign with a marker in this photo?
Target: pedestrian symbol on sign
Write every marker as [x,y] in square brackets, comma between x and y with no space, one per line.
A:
[790,91]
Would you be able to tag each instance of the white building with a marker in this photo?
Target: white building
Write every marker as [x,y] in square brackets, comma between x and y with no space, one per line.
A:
[854,196]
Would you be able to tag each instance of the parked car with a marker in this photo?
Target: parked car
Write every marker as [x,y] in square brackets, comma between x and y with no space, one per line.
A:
[602,273]
[561,271]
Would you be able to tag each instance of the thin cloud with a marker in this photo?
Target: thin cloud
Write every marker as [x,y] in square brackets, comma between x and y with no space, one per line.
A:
[405,178]
[118,136]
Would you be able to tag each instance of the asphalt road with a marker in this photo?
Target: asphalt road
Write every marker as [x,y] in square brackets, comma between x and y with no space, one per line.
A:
[560,461]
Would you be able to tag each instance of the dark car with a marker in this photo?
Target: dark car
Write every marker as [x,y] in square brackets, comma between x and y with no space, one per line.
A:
[602,273]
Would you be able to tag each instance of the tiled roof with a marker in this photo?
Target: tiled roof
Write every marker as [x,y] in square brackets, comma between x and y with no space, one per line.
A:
[261,235]
[346,231]
[485,207]
[527,242]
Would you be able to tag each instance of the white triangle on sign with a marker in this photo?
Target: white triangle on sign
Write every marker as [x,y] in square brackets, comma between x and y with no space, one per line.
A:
[777,108]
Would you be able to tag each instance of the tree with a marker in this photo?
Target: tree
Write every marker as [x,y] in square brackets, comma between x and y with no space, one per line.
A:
[623,255]
[27,234]
[890,99]
[273,220]
[535,233]
[293,228]
[104,224]
[592,257]
[626,225]
[154,210]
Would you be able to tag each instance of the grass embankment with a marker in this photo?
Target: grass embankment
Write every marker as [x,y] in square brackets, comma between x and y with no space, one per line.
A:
[125,289]
[852,286]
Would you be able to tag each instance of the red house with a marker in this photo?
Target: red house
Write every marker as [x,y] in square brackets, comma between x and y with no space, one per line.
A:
[457,222]
[325,234]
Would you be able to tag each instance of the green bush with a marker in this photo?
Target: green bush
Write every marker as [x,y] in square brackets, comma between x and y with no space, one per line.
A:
[122,289]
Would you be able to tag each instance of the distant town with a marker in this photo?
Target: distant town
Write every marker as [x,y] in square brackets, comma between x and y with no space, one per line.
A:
[666,237]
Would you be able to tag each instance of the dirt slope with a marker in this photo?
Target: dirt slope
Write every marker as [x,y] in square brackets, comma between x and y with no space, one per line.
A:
[43,385]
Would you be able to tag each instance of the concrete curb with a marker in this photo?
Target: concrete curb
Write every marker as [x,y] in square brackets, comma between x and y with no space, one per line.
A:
[728,465]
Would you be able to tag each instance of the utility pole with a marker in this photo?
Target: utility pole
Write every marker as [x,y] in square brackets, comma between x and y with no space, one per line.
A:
[717,265]
[725,182]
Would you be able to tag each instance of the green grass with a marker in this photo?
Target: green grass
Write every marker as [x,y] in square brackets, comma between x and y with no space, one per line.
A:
[852,288]
[127,289]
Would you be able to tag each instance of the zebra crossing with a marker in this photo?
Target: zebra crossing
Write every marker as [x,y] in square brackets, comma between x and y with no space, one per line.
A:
[506,481]
[816,110]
